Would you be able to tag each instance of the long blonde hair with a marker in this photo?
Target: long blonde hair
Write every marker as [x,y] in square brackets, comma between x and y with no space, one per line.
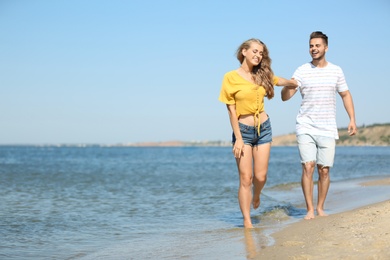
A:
[262,74]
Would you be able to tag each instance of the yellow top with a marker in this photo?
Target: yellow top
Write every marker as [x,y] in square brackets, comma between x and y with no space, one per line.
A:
[247,96]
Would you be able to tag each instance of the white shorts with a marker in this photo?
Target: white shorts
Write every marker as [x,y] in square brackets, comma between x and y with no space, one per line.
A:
[315,148]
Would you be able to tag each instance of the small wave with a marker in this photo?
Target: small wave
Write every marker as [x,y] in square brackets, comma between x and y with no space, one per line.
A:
[287,210]
[286,186]
[279,213]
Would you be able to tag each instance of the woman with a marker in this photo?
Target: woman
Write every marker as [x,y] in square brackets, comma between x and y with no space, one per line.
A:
[243,91]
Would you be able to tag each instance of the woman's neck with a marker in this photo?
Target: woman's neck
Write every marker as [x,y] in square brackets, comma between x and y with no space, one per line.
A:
[246,68]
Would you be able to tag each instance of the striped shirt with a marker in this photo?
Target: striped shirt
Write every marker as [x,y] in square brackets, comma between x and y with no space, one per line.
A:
[318,88]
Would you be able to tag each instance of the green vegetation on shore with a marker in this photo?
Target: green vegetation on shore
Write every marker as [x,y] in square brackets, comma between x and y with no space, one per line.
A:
[375,135]
[371,135]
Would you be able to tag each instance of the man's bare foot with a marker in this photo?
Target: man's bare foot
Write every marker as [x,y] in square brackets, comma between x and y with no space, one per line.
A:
[309,215]
[321,213]
[256,202]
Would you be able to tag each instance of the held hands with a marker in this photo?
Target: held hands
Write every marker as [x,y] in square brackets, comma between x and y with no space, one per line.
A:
[287,83]
[291,84]
[238,149]
[294,83]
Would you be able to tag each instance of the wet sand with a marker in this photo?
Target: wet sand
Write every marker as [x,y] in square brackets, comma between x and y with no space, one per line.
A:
[360,233]
[358,227]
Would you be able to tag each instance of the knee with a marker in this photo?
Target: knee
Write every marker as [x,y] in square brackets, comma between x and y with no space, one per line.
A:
[308,168]
[323,172]
[261,177]
[246,180]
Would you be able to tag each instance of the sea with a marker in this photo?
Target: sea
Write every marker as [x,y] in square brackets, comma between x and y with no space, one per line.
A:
[101,202]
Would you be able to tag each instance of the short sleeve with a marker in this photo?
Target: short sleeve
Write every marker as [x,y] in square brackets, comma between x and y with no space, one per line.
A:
[297,77]
[341,82]
[276,80]
[227,92]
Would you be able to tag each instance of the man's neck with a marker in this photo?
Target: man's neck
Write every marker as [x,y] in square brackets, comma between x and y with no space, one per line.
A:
[322,63]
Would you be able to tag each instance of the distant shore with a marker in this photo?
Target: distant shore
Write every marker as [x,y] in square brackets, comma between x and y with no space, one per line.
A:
[373,135]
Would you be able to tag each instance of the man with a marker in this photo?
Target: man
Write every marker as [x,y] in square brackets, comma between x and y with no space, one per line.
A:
[316,129]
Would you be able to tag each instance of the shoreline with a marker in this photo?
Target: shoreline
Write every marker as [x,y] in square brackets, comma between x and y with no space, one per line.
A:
[361,232]
[358,229]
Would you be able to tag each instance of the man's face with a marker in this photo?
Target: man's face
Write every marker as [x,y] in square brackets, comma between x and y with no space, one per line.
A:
[317,48]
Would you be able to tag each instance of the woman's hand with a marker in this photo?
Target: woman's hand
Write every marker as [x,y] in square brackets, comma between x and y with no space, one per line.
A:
[238,148]
[288,83]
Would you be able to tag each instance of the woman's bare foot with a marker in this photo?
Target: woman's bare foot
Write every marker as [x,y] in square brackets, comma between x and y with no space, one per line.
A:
[256,202]
[256,195]
[309,215]
[248,223]
[321,213]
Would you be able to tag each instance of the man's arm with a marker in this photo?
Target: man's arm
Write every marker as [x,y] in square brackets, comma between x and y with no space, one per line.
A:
[349,107]
[287,93]
[290,86]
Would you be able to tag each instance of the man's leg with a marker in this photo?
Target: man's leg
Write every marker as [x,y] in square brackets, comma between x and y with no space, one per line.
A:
[308,153]
[326,153]
[323,187]
[307,187]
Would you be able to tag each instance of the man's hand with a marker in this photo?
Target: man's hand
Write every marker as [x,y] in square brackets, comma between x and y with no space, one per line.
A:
[352,129]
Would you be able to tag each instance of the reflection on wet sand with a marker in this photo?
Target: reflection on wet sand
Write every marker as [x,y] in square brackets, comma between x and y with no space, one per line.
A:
[255,240]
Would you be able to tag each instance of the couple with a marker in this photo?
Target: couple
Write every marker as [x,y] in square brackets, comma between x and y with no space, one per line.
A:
[243,91]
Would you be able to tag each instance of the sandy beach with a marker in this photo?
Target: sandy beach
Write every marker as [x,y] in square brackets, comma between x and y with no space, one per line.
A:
[362,233]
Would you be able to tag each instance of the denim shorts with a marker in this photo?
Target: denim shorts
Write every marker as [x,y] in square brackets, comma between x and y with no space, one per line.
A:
[250,134]
[315,148]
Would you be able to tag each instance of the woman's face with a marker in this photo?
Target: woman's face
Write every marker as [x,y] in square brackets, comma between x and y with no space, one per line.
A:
[254,54]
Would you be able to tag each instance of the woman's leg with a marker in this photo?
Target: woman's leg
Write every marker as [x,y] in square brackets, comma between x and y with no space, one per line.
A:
[245,171]
[261,154]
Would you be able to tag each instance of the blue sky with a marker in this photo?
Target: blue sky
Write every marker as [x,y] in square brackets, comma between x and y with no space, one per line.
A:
[110,72]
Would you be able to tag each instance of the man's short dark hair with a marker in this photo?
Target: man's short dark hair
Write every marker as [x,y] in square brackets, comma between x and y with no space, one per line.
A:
[321,35]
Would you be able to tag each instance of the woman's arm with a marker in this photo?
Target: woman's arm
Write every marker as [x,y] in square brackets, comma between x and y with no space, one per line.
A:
[289,83]
[239,144]
[290,87]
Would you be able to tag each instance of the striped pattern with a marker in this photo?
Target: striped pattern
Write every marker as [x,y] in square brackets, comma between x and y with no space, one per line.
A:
[318,88]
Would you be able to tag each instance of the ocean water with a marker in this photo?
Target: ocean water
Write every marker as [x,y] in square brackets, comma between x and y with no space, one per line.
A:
[151,202]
